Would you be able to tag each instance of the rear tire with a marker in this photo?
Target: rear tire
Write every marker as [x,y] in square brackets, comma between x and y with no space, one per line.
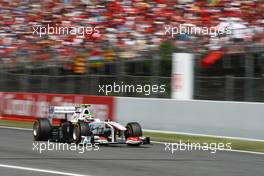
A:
[80,129]
[67,130]
[42,130]
[133,130]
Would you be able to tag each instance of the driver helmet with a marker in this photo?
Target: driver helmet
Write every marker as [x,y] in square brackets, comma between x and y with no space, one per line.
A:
[88,117]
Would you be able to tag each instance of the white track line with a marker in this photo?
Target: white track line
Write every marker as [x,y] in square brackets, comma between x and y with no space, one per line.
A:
[41,170]
[204,135]
[244,151]
[157,142]
[226,150]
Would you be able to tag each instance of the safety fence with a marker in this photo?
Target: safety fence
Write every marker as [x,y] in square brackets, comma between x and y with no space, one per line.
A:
[205,88]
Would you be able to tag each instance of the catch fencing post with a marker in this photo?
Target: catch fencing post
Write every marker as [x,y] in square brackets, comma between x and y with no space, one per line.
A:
[229,88]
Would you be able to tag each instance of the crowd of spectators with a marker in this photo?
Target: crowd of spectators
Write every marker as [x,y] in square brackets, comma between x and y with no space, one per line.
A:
[128,28]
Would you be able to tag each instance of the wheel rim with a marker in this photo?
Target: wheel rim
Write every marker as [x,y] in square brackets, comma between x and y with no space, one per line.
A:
[129,132]
[74,135]
[35,130]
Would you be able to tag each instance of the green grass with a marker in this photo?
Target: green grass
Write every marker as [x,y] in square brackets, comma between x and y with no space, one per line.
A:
[11,123]
[236,144]
[173,138]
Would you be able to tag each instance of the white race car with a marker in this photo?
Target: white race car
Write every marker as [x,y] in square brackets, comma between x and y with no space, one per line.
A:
[79,126]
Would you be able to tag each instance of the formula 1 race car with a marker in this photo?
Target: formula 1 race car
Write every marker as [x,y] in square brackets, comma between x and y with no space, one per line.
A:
[79,126]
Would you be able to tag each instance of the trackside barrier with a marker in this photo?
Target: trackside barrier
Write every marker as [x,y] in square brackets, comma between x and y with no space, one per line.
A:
[230,119]
[28,106]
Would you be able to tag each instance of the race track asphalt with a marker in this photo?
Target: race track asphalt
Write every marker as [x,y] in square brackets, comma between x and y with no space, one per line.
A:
[16,149]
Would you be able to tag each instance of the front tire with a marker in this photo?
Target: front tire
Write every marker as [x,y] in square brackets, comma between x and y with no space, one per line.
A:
[133,130]
[42,130]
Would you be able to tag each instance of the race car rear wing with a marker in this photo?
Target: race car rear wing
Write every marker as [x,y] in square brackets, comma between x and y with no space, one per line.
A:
[62,109]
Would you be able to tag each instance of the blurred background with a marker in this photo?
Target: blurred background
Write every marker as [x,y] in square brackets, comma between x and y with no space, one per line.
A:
[132,47]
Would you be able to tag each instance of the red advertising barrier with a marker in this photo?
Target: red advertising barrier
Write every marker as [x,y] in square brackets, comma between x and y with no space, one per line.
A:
[28,106]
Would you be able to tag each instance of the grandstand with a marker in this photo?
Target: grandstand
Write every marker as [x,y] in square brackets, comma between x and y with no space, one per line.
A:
[131,45]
